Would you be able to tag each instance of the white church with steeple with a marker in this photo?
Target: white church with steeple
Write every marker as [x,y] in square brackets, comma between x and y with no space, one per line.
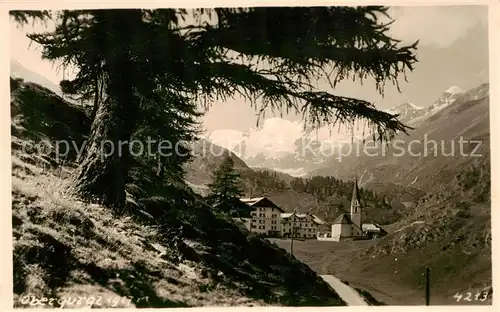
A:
[353,225]
[350,225]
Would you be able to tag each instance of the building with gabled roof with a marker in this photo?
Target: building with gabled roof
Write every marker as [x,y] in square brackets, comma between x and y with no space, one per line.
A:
[268,219]
[265,216]
[261,202]
[350,225]
[343,219]
[300,225]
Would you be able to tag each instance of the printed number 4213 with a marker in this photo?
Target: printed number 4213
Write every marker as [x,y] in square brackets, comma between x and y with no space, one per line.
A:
[480,296]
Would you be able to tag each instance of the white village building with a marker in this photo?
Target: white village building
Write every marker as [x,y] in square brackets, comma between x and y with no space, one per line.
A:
[260,215]
[300,225]
[352,225]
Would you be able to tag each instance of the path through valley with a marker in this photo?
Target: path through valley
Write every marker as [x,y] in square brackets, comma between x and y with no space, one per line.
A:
[347,293]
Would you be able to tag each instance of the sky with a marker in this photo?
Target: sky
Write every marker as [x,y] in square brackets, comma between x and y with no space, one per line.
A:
[452,51]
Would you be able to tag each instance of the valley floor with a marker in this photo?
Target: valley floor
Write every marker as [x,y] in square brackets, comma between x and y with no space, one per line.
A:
[394,279]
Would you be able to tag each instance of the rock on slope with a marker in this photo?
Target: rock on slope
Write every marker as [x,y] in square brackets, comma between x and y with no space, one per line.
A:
[171,250]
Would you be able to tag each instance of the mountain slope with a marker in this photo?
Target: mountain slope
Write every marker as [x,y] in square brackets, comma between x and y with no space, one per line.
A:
[421,159]
[170,250]
[17,70]
[450,232]
[401,180]
[207,156]
[447,228]
[407,112]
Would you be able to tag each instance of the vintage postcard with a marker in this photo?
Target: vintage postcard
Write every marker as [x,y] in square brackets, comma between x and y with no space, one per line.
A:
[284,156]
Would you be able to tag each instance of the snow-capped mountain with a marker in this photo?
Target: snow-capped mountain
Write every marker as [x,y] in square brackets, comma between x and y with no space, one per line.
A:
[412,115]
[407,111]
[283,145]
[449,96]
[455,117]
[289,147]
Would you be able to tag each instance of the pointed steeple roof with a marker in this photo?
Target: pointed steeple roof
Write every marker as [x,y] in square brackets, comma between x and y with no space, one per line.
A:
[355,193]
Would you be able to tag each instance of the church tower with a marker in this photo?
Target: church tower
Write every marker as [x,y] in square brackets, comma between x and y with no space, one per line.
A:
[356,209]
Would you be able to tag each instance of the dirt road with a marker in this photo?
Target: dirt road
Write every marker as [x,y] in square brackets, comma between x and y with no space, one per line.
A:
[349,295]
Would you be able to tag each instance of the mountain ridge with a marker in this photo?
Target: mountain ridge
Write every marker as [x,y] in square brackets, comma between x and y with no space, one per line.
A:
[17,70]
[306,151]
[445,126]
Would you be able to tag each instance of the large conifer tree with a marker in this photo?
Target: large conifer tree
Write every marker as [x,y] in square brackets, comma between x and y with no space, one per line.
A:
[136,59]
[225,189]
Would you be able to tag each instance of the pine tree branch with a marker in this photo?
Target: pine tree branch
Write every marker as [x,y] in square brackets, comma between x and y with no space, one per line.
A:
[24,16]
[305,41]
[317,108]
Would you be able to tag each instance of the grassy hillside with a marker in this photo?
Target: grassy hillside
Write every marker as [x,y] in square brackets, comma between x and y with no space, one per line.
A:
[446,225]
[169,250]
[449,231]
[398,278]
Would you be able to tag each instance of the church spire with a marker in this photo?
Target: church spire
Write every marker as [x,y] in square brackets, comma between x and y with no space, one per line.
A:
[356,209]
[355,193]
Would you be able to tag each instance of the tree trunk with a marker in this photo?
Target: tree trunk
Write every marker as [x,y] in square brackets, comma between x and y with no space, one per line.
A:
[104,170]
[97,98]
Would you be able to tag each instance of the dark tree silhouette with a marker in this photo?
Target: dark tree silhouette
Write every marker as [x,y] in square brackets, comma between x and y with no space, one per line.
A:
[225,188]
[270,56]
